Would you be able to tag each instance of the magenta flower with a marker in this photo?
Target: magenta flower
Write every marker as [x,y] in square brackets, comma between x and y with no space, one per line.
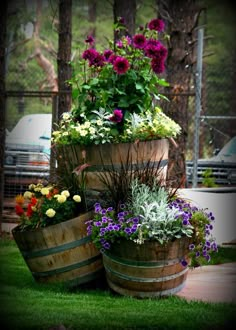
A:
[162,52]
[157,65]
[107,53]
[119,44]
[117,116]
[139,41]
[156,24]
[153,42]
[89,54]
[121,20]
[128,40]
[112,58]
[89,40]
[121,65]
[151,51]
[97,61]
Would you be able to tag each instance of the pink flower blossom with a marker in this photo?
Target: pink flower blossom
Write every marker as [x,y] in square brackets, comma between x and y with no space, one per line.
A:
[121,65]
[139,41]
[117,116]
[156,24]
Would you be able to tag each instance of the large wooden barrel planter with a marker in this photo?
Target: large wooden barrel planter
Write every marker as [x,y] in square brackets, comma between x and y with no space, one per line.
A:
[146,270]
[104,157]
[61,253]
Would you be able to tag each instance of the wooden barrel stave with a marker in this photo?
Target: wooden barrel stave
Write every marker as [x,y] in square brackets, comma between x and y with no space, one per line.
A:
[138,271]
[61,252]
[105,157]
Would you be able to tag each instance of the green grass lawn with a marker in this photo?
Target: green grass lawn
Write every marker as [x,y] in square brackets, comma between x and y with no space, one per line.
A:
[26,304]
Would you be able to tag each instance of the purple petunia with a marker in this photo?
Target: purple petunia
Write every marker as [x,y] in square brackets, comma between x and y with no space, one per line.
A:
[191,247]
[184,263]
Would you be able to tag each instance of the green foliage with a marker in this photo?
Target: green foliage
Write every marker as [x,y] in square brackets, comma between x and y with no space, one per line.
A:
[158,221]
[208,179]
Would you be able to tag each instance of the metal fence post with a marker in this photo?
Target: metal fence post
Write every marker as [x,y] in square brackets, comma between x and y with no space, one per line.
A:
[198,87]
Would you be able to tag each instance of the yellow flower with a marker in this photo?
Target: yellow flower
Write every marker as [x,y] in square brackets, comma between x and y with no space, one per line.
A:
[65,193]
[27,194]
[19,199]
[56,133]
[77,198]
[45,191]
[50,213]
[61,199]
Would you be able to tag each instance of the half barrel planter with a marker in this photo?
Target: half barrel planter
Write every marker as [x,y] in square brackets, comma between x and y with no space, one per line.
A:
[146,270]
[104,157]
[61,253]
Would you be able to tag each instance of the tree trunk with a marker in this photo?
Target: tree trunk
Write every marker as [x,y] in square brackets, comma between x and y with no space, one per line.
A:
[42,61]
[180,17]
[64,55]
[92,15]
[126,10]
[3,32]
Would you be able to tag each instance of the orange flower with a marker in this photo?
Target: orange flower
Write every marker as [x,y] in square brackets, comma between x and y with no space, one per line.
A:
[19,199]
[55,191]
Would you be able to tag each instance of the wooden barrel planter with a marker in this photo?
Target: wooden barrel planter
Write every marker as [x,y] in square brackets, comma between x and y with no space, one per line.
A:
[61,252]
[104,157]
[146,270]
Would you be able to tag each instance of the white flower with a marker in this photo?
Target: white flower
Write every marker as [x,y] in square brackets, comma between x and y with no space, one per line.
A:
[65,133]
[83,132]
[92,130]
[66,116]
[50,213]
[65,193]
[86,124]
[77,198]
[27,194]
[99,122]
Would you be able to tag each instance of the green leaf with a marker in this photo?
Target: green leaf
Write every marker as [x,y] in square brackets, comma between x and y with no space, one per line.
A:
[163,82]
[139,86]
[86,87]
[123,103]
